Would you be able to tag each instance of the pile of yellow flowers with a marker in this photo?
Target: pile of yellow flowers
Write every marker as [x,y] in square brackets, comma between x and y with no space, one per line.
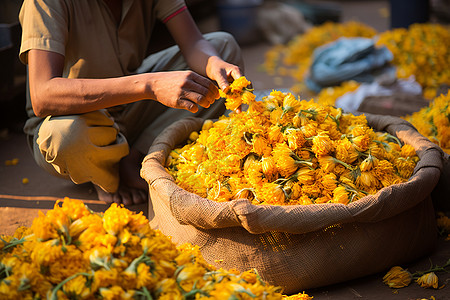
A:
[284,151]
[433,121]
[422,50]
[297,55]
[73,253]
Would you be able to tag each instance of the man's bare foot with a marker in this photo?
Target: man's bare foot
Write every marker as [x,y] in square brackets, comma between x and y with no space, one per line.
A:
[124,195]
[133,189]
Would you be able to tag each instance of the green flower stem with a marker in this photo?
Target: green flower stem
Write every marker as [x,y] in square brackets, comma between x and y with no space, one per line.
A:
[14,242]
[144,292]
[343,163]
[54,296]
[436,268]
[133,266]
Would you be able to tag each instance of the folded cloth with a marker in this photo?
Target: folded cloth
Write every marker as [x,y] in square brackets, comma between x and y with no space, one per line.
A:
[347,59]
[350,102]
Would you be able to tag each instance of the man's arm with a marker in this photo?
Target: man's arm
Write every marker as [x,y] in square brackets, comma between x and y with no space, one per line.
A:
[52,94]
[199,53]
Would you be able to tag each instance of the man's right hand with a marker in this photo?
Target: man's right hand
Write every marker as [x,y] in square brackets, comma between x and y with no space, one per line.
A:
[182,90]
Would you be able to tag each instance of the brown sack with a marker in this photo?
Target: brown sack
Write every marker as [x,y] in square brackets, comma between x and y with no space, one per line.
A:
[301,247]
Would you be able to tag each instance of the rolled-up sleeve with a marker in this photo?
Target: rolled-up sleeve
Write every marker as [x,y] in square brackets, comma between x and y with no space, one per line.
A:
[44,26]
[165,9]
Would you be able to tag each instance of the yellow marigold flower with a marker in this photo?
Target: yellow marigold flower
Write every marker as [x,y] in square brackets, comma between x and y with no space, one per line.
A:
[428,280]
[271,193]
[340,195]
[220,193]
[383,168]
[309,129]
[290,103]
[368,163]
[295,138]
[248,97]
[60,220]
[405,167]
[21,232]
[407,151]
[138,224]
[345,151]
[276,116]
[233,102]
[299,296]
[390,179]
[81,224]
[249,276]
[305,176]
[239,84]
[69,263]
[43,228]
[276,97]
[73,208]
[359,129]
[115,293]
[443,222]
[284,160]
[274,135]
[77,288]
[397,277]
[322,144]
[145,277]
[367,181]
[168,289]
[116,218]
[207,124]
[300,120]
[105,278]
[190,274]
[234,93]
[361,142]
[329,182]
[9,288]
[261,146]
[327,163]
[193,136]
[269,168]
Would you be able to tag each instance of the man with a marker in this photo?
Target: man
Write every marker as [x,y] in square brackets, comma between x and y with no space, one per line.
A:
[95,102]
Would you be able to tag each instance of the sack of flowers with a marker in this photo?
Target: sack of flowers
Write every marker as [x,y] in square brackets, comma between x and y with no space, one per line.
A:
[304,194]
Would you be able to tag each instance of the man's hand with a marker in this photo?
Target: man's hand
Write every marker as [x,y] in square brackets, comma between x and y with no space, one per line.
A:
[222,72]
[183,90]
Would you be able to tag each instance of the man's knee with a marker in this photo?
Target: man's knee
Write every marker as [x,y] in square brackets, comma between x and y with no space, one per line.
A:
[65,138]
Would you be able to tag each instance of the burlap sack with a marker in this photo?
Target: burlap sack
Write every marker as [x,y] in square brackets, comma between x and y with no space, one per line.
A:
[301,247]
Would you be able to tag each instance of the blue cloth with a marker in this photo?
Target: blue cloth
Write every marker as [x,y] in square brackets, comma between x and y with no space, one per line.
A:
[347,59]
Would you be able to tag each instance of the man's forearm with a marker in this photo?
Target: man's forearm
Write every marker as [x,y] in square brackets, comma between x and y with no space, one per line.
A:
[62,96]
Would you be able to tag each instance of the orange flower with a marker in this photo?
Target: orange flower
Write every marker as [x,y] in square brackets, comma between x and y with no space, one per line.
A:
[340,195]
[428,280]
[397,277]
[322,144]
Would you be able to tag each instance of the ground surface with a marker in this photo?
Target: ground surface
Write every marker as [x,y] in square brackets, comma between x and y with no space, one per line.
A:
[20,202]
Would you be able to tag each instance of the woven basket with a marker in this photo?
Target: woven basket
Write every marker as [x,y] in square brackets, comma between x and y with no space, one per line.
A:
[301,247]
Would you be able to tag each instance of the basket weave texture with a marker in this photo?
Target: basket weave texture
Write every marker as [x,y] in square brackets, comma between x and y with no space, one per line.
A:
[301,247]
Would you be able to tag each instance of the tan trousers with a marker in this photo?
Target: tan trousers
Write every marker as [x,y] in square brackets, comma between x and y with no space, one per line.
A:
[88,147]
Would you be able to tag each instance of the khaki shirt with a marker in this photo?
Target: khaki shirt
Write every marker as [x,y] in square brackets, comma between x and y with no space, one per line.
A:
[85,33]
